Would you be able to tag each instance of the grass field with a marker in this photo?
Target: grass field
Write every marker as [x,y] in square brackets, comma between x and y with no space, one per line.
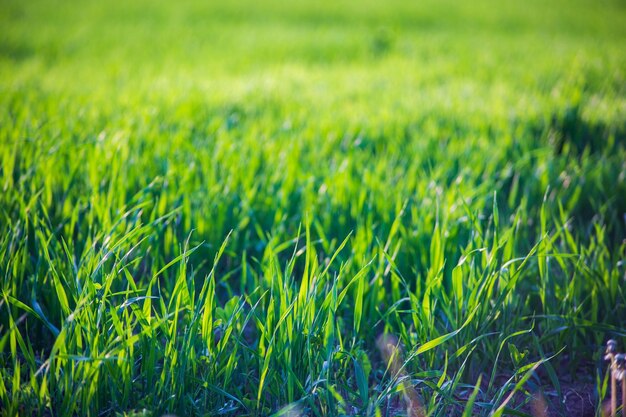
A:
[310,208]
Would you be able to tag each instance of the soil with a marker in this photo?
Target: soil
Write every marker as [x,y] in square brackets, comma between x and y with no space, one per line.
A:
[578,401]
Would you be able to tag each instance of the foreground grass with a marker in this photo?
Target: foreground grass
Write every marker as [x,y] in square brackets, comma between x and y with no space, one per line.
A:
[210,209]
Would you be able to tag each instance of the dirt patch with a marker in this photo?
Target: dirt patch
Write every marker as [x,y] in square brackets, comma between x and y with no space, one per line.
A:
[578,399]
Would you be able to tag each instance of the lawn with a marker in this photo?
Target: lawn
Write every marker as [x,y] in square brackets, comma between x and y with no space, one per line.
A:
[310,208]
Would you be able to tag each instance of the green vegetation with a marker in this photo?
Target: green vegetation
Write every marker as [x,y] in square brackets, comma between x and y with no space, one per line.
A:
[352,208]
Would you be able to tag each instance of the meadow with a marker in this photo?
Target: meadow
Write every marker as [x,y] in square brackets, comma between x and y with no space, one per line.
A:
[310,208]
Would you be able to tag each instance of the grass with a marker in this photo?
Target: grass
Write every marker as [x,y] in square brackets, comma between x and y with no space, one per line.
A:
[308,209]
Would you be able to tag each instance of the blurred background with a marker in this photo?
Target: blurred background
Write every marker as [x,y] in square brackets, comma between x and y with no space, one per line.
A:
[416,55]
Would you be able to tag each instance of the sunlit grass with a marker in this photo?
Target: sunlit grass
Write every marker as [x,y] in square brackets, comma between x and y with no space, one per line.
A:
[306,209]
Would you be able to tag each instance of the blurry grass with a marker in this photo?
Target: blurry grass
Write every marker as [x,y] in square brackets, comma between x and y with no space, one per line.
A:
[219,209]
